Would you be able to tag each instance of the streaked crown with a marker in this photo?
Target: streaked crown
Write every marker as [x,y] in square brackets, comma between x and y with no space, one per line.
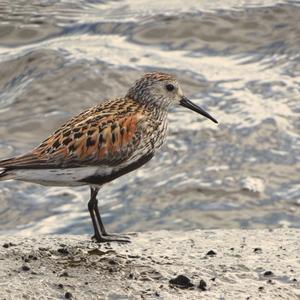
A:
[156,89]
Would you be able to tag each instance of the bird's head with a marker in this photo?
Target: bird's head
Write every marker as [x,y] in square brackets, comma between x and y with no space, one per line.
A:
[161,90]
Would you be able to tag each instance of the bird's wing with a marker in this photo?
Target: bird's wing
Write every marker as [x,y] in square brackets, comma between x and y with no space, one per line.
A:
[104,135]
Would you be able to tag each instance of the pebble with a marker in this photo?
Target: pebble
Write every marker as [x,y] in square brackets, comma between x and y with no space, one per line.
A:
[181,281]
[268,273]
[211,253]
[68,295]
[25,268]
[64,274]
[202,285]
[252,184]
[7,245]
[63,251]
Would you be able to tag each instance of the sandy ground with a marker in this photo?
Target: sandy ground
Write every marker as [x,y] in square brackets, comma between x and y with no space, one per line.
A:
[220,264]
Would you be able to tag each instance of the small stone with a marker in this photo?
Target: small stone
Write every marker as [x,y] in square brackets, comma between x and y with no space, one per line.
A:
[63,251]
[6,245]
[261,288]
[181,281]
[257,250]
[60,285]
[112,262]
[68,295]
[202,285]
[253,185]
[268,273]
[211,253]
[64,274]
[43,249]
[25,268]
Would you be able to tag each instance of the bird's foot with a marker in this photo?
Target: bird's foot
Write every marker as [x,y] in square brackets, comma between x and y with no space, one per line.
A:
[107,238]
[122,236]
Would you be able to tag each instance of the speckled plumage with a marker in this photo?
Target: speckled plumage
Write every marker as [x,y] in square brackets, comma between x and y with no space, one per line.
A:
[112,134]
[103,142]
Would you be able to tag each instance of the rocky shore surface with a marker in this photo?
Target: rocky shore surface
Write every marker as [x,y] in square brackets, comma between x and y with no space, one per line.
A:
[214,264]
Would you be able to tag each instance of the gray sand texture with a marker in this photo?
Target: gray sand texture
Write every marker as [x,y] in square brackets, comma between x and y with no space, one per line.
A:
[215,264]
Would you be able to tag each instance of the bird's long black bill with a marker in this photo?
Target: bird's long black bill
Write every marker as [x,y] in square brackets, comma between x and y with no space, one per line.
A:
[190,105]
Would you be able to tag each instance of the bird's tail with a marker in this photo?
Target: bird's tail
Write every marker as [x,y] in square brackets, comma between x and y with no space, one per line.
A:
[9,166]
[5,174]
[2,174]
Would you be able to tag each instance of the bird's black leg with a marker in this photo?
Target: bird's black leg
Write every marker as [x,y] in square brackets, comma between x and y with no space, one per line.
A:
[99,219]
[91,205]
[100,233]
[102,228]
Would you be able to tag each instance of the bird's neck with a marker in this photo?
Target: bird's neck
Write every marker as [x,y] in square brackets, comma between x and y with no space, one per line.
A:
[150,101]
[156,112]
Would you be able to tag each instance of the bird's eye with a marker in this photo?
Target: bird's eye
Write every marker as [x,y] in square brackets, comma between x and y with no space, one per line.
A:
[170,87]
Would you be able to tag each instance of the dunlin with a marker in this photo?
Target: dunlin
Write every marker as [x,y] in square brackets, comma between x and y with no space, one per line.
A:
[104,142]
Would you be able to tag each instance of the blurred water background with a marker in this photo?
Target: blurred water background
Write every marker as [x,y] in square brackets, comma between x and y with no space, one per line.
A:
[240,60]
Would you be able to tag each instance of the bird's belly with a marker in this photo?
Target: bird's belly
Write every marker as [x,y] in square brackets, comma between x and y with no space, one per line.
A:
[60,177]
[96,175]
[100,178]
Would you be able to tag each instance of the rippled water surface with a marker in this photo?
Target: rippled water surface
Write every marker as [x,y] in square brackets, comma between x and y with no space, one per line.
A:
[238,59]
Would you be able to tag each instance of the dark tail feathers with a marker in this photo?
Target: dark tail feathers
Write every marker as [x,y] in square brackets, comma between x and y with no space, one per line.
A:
[3,174]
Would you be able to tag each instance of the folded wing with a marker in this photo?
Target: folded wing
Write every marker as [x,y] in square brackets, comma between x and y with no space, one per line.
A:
[96,137]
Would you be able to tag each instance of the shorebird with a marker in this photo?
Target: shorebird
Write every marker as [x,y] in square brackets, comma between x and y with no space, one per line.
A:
[104,142]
